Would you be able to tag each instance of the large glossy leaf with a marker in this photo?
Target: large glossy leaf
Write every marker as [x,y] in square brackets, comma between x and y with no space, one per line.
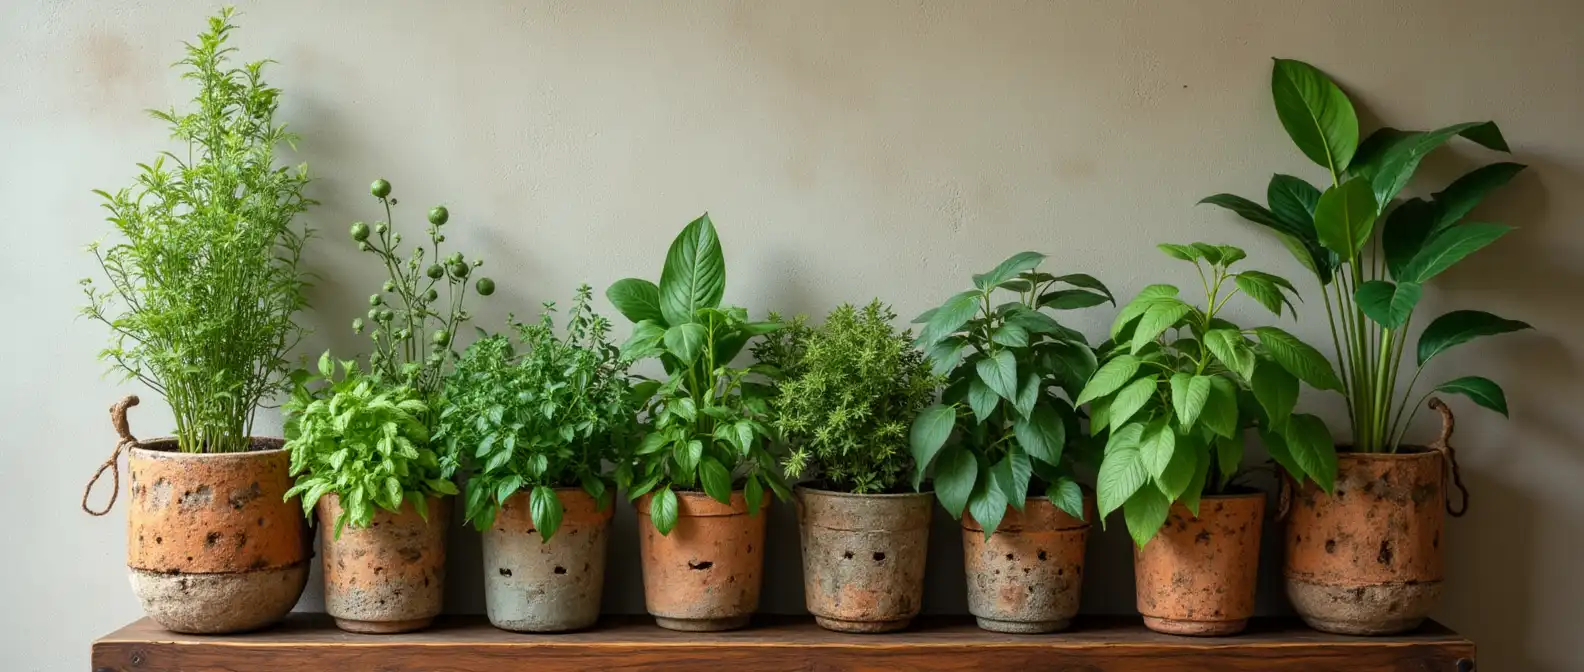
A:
[1317,115]
[1009,269]
[1069,299]
[717,480]
[1462,326]
[694,276]
[1189,394]
[1276,446]
[946,354]
[1482,391]
[1262,290]
[1229,456]
[1345,217]
[1178,473]
[1292,201]
[1276,390]
[988,501]
[1389,305]
[1128,436]
[949,317]
[1067,496]
[1449,247]
[637,299]
[1397,164]
[930,430]
[1085,281]
[1466,192]
[1013,474]
[1109,378]
[1144,513]
[645,340]
[1041,435]
[1299,358]
[1130,399]
[1162,315]
[955,474]
[1122,473]
[663,510]
[1404,232]
[1231,349]
[1257,214]
[1312,449]
[686,341]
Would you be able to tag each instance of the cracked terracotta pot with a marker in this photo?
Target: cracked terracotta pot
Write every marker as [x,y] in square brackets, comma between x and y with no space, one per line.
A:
[1197,575]
[863,557]
[705,575]
[1366,560]
[388,577]
[532,585]
[1027,577]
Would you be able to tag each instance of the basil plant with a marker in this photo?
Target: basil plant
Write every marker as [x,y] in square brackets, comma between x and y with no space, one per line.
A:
[1003,426]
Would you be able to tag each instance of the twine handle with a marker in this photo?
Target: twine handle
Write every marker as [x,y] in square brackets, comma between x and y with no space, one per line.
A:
[118,420]
[1443,445]
[1284,494]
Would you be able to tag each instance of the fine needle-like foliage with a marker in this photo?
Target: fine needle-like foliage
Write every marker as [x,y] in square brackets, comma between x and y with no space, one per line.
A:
[848,391]
[204,286]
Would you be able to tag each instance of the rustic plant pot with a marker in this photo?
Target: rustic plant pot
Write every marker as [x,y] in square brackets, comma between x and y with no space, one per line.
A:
[705,575]
[863,557]
[212,544]
[388,577]
[1366,560]
[532,585]
[1027,577]
[1197,575]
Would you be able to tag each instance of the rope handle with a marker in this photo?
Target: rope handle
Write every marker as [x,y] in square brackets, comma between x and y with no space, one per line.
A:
[1442,444]
[1284,494]
[118,419]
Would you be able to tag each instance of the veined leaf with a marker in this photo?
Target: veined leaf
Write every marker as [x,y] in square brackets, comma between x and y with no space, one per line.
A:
[946,354]
[1162,315]
[988,502]
[950,317]
[1067,496]
[930,430]
[1146,298]
[1008,269]
[545,509]
[1069,299]
[1276,390]
[982,399]
[686,341]
[999,371]
[1178,473]
[1085,281]
[1345,217]
[1317,115]
[1144,513]
[1010,335]
[1261,290]
[1012,474]
[1229,456]
[1387,304]
[1292,201]
[636,299]
[663,510]
[1157,445]
[1462,326]
[1220,414]
[1110,377]
[694,275]
[1231,349]
[1122,473]
[1299,358]
[1401,159]
[1449,247]
[1312,450]
[1189,394]
[1028,395]
[1129,436]
[1130,399]
[1459,198]
[716,479]
[1041,435]
[1482,391]
[956,471]
[1176,251]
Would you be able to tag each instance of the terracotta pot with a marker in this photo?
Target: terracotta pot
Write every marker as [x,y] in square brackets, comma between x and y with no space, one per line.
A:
[532,585]
[1197,576]
[705,575]
[1367,559]
[388,577]
[1027,577]
[212,544]
[863,557]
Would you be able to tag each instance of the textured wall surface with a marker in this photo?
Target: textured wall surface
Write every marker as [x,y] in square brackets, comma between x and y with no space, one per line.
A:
[845,150]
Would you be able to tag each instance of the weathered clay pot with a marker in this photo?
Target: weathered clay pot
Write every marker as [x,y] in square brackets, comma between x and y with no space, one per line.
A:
[863,557]
[1197,576]
[212,545]
[532,585]
[1367,559]
[1027,577]
[705,575]
[388,577]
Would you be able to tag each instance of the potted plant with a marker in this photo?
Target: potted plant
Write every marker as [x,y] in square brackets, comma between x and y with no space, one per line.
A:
[1371,563]
[201,299]
[361,441]
[1002,431]
[536,421]
[700,471]
[848,391]
[1177,389]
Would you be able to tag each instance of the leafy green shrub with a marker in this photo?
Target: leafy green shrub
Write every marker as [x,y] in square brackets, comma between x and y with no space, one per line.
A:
[1372,253]
[547,416]
[1180,385]
[849,391]
[203,290]
[1001,428]
[705,422]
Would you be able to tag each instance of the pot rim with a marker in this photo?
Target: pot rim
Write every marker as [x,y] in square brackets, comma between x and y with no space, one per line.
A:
[1407,452]
[164,448]
[842,494]
[1235,495]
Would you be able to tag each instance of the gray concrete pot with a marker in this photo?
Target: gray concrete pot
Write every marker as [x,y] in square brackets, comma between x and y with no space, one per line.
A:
[531,585]
[863,557]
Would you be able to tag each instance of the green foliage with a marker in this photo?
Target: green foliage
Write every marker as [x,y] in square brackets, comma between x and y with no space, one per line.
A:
[1372,252]
[705,425]
[545,412]
[1001,428]
[203,289]
[1178,387]
[849,391]
[364,441]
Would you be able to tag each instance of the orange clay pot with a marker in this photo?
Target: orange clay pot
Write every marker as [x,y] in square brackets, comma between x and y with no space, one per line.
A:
[212,544]
[1197,575]
[1366,560]
[863,557]
[388,577]
[705,575]
[1027,577]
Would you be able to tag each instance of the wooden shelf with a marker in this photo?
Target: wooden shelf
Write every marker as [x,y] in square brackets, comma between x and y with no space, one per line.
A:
[310,643]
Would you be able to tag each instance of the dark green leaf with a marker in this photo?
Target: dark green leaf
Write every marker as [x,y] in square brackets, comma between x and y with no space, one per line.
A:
[1449,247]
[1008,269]
[636,299]
[999,371]
[982,399]
[1012,474]
[1466,192]
[1406,229]
[753,491]
[946,354]
[1387,304]
[1400,160]
[717,480]
[955,474]
[545,508]
[930,430]
[1317,115]
[1299,358]
[1312,450]
[663,510]
[1462,326]
[1085,281]
[1028,394]
[1122,473]
[694,276]
[1229,456]
[1292,201]
[1067,496]
[1144,513]
[1257,214]
[1481,390]
[988,503]
[1276,390]
[1010,335]
[950,317]
[1068,299]
[686,341]
[1345,217]
[1220,414]
[1042,434]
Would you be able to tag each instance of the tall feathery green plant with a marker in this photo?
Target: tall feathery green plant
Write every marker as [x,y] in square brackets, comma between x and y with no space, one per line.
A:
[203,288]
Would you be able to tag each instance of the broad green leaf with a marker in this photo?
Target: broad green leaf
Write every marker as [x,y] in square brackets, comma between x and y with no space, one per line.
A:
[1067,496]
[1069,299]
[1261,290]
[716,479]
[1189,394]
[1176,251]
[1345,217]
[1401,159]
[1299,358]
[956,471]
[1220,414]
[694,276]
[1311,447]
[1229,456]
[1316,113]
[1276,390]
[636,299]
[645,340]
[1146,298]
[1157,446]
[1459,198]
[1257,214]
[1122,473]
[982,399]
[999,371]
[686,341]
[1276,447]
[687,455]
[1292,201]
[1099,415]
[1008,269]
[1042,435]
[1144,513]
[1211,253]
[1449,247]
[508,487]
[1462,326]
[1010,335]
[1178,473]
[546,510]
[988,502]
[1085,281]
[663,510]
[1109,378]
[950,317]
[1012,474]
[326,364]
[1388,305]
[1231,349]
[946,354]
[1130,399]
[1129,436]
[1028,395]
[1034,321]
[1482,391]
[930,430]
[753,492]
[1196,483]
[1320,261]
[1405,231]
[1160,317]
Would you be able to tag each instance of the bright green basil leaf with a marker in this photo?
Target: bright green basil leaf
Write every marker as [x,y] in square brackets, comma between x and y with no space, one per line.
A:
[1145,513]
[930,430]
[546,510]
[1110,377]
[1067,496]
[753,491]
[1189,394]
[1161,316]
[956,471]
[1122,473]
[663,510]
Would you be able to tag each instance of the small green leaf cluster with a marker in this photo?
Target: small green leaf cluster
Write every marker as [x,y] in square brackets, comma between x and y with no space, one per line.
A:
[202,292]
[1372,252]
[1179,386]
[705,424]
[1001,427]
[365,441]
[848,392]
[544,412]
